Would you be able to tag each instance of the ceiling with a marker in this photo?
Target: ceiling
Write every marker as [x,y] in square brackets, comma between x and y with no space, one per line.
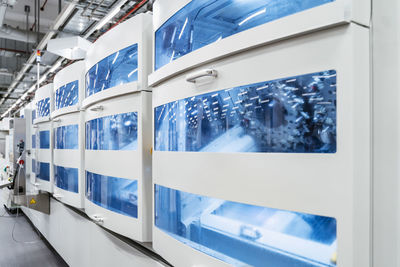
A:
[20,36]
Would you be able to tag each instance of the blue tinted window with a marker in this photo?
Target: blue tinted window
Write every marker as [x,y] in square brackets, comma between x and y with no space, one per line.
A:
[203,22]
[43,108]
[242,234]
[43,171]
[44,139]
[115,132]
[33,115]
[33,165]
[291,115]
[33,141]
[67,95]
[66,178]
[116,194]
[116,69]
[66,137]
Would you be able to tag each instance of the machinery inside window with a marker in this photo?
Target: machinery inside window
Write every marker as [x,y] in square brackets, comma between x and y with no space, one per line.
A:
[290,115]
[44,139]
[118,68]
[66,178]
[33,140]
[114,132]
[43,108]
[33,165]
[66,137]
[242,234]
[33,115]
[43,171]
[203,22]
[67,95]
[116,194]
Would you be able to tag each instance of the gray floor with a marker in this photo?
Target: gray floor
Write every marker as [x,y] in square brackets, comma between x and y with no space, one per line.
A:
[27,250]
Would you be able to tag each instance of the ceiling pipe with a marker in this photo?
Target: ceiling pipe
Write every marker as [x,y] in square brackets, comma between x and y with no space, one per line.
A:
[67,10]
[8,32]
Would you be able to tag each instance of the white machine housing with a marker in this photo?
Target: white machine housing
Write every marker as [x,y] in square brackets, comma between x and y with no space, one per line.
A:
[326,15]
[334,185]
[129,97]
[125,34]
[26,113]
[71,115]
[44,124]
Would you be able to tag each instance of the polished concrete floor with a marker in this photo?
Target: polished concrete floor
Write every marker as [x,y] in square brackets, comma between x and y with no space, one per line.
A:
[21,246]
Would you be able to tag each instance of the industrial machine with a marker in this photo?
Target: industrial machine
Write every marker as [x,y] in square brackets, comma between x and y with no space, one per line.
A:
[44,142]
[13,182]
[118,129]
[256,163]
[68,128]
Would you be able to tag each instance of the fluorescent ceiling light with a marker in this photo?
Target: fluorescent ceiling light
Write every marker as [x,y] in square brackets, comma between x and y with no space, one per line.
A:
[107,18]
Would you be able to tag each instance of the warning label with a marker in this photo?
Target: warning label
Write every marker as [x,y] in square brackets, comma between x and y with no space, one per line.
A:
[33,201]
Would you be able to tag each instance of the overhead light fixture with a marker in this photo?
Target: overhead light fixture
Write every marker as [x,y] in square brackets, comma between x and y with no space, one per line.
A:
[107,18]
[55,66]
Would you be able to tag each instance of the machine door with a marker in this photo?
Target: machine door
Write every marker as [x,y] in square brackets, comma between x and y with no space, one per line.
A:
[265,156]
[44,168]
[189,33]
[115,185]
[68,159]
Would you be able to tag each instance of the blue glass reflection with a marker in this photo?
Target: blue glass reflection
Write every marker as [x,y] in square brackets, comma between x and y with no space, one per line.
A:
[66,137]
[291,115]
[66,178]
[43,108]
[44,139]
[242,234]
[43,171]
[116,194]
[115,132]
[67,95]
[116,69]
[203,22]
[33,165]
[33,115]
[33,141]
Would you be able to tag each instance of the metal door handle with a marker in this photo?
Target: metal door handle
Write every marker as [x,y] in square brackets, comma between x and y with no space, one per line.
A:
[34,126]
[202,73]
[57,120]
[58,196]
[97,108]
[97,219]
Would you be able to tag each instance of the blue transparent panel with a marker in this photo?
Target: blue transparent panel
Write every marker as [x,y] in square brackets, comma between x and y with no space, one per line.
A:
[116,194]
[203,22]
[116,69]
[115,132]
[33,141]
[33,165]
[66,178]
[291,115]
[44,139]
[242,234]
[43,171]
[67,95]
[33,115]
[43,108]
[66,137]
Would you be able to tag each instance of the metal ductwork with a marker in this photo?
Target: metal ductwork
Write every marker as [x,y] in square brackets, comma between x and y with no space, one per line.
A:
[8,32]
